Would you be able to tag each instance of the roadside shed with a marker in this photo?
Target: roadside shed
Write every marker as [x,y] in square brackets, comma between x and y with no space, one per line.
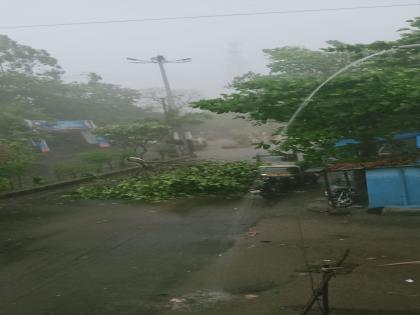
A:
[390,183]
[397,186]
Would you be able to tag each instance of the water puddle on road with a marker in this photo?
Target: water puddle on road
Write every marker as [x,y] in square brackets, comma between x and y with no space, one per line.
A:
[199,299]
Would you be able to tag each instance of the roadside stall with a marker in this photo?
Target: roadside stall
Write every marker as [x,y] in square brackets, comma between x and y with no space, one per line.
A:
[384,183]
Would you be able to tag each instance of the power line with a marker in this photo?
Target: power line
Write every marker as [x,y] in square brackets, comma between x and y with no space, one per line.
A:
[210,16]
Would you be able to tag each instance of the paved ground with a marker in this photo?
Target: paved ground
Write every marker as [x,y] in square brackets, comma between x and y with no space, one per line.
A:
[201,256]
[206,256]
[100,258]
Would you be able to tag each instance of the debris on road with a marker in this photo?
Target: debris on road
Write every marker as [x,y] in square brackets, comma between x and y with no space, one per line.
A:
[199,299]
[101,221]
[413,262]
[251,232]
[251,296]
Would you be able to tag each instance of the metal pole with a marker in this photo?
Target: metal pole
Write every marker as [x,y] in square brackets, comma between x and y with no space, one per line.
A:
[346,176]
[169,96]
[325,304]
[319,290]
[328,189]
[171,108]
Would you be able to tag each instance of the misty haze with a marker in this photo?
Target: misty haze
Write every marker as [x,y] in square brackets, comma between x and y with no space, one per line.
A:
[209,157]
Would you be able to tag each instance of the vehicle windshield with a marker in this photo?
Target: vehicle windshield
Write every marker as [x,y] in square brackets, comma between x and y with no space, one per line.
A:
[270,158]
[279,170]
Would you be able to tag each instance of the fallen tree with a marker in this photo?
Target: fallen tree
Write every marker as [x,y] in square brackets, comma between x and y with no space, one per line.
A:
[233,178]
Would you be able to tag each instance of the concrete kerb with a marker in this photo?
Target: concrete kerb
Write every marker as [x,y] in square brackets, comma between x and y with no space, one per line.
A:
[60,184]
[406,211]
[76,181]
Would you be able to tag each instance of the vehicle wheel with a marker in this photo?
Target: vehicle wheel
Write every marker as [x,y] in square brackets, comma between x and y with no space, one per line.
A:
[314,180]
[269,193]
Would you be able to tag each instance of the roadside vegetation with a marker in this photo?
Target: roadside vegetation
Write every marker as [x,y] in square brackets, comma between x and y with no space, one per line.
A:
[376,99]
[225,179]
[32,87]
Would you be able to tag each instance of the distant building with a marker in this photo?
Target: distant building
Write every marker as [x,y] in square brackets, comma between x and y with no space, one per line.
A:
[77,129]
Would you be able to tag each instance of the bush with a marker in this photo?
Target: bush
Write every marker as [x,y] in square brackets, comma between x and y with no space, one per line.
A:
[16,159]
[4,184]
[72,169]
[99,157]
[38,180]
[204,179]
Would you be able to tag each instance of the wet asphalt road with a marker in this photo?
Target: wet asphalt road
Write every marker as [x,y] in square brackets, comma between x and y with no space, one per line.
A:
[95,257]
[200,257]
[204,256]
[111,257]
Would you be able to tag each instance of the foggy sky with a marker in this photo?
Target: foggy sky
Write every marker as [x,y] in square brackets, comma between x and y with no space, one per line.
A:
[209,42]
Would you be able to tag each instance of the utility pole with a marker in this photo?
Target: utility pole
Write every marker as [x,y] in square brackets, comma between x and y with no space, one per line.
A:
[170,101]
[160,60]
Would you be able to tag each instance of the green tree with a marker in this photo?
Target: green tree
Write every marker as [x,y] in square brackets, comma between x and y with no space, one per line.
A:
[99,157]
[31,88]
[135,136]
[379,98]
[53,99]
[299,61]
[16,160]
[15,57]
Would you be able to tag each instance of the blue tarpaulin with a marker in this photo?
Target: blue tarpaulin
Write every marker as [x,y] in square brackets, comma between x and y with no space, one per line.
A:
[397,136]
[82,126]
[61,125]
[344,142]
[41,145]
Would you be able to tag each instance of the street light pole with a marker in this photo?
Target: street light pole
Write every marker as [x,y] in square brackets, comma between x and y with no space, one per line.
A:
[160,60]
[344,69]
[171,106]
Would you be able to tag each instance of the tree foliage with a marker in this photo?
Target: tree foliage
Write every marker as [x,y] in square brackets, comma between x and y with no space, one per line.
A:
[299,61]
[198,180]
[46,98]
[135,135]
[31,87]
[99,157]
[18,58]
[379,98]
[17,159]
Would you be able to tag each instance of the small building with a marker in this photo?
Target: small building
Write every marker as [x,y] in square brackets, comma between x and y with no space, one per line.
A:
[67,130]
[384,183]
[397,186]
